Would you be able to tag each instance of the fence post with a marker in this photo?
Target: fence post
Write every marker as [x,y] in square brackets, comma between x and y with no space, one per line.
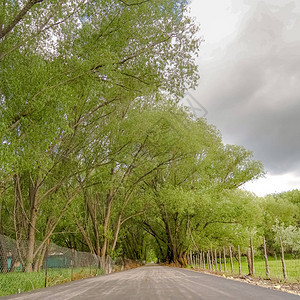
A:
[225,267]
[212,257]
[201,259]
[216,260]
[252,257]
[231,261]
[266,260]
[282,260]
[46,263]
[220,262]
[208,260]
[240,265]
[249,261]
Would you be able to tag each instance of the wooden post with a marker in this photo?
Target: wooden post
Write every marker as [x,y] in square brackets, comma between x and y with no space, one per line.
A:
[282,260]
[266,260]
[252,257]
[208,260]
[225,267]
[249,262]
[240,265]
[212,257]
[216,260]
[231,261]
[201,260]
[220,260]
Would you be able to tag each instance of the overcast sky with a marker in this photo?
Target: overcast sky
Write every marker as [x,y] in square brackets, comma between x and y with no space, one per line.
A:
[250,81]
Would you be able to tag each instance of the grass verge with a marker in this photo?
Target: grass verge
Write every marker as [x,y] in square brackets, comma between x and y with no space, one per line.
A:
[15,282]
[275,266]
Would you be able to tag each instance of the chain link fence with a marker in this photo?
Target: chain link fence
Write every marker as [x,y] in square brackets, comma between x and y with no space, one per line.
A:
[52,258]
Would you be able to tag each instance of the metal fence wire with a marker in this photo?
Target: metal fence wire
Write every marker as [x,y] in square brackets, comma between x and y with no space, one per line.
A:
[51,256]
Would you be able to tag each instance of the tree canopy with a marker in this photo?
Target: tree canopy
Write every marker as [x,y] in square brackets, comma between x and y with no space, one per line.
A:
[95,153]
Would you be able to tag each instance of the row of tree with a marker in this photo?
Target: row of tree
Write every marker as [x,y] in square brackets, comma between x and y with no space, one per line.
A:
[95,153]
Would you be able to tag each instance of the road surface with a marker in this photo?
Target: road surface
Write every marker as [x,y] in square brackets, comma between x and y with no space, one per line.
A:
[155,282]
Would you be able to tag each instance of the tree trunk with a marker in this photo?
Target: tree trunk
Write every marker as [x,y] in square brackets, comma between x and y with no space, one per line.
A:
[109,200]
[33,200]
[117,233]
[31,240]
[42,257]
[282,260]
[220,261]
[86,238]
[252,257]
[240,265]
[266,260]
[93,214]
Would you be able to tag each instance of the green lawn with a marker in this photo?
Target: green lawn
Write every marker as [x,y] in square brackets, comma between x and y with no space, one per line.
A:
[275,266]
[10,283]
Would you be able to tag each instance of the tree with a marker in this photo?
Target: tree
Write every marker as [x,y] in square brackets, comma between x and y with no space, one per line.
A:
[64,72]
[187,193]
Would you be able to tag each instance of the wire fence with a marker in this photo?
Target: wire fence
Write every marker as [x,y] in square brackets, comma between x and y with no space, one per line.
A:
[53,259]
[247,261]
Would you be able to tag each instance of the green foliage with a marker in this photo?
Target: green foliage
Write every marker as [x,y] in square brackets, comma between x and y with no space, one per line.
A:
[95,152]
[290,236]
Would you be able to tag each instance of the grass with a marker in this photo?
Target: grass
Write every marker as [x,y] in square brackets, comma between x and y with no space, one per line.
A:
[14,282]
[275,267]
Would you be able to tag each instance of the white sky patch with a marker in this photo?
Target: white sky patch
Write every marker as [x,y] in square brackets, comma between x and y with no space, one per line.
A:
[248,85]
[219,20]
[273,184]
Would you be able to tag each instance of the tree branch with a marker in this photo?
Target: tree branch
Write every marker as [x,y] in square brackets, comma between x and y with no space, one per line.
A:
[133,4]
[19,17]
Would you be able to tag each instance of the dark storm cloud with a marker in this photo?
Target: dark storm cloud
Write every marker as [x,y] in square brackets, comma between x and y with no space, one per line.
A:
[252,88]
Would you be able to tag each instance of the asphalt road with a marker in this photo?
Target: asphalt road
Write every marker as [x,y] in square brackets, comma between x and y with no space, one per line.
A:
[156,282]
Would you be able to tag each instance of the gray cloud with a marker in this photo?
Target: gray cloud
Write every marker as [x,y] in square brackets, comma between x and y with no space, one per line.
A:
[252,88]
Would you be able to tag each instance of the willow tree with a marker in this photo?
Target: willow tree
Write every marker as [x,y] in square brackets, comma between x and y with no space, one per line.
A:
[63,66]
[184,192]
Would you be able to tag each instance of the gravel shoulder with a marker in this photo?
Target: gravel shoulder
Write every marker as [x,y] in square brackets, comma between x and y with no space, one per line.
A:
[293,288]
